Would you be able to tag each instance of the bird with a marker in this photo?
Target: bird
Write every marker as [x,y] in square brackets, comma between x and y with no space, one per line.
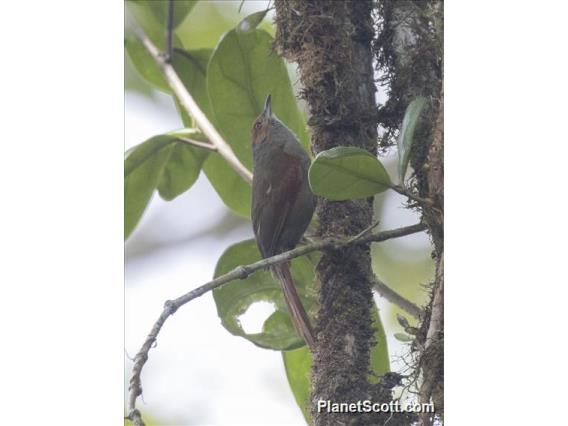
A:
[282,203]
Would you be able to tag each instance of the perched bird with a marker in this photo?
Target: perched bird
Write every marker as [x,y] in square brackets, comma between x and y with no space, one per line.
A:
[282,203]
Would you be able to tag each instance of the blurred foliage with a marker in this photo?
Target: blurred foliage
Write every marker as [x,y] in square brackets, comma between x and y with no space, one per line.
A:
[228,65]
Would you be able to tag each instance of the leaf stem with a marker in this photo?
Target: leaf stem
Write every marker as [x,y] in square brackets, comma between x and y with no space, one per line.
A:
[199,144]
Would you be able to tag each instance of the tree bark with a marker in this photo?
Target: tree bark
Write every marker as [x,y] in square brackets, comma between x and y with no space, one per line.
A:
[331,42]
[409,51]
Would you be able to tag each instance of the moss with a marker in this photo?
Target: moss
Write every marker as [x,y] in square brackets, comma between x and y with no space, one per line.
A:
[409,53]
[331,42]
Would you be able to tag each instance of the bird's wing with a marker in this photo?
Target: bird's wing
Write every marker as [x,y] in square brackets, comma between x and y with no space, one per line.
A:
[273,198]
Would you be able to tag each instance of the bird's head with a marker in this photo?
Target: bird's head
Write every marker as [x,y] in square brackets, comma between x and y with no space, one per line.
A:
[261,125]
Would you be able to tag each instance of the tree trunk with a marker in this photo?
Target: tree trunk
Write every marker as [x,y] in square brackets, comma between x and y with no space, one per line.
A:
[331,42]
[409,51]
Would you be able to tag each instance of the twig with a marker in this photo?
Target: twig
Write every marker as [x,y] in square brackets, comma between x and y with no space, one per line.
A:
[410,195]
[242,272]
[395,298]
[199,144]
[170,33]
[189,104]
[365,231]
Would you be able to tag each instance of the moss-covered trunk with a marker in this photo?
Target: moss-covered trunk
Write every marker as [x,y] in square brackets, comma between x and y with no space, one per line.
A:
[409,51]
[331,42]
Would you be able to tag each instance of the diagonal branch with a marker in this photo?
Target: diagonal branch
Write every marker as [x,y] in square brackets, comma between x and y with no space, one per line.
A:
[403,191]
[242,272]
[189,104]
[395,298]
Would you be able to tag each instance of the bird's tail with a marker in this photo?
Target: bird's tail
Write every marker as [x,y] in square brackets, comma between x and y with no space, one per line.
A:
[297,312]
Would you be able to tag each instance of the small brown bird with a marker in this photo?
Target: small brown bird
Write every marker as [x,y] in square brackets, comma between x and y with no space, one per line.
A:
[282,203]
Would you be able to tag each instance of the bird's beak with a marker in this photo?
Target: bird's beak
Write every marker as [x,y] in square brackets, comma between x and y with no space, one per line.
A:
[268,107]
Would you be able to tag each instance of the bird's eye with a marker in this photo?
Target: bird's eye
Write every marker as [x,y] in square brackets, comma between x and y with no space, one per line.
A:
[257,125]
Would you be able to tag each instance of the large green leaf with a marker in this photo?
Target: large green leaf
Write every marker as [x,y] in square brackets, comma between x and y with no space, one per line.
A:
[298,365]
[406,137]
[344,173]
[159,162]
[242,71]
[235,298]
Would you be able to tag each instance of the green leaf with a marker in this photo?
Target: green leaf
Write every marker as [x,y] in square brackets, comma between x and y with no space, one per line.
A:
[402,337]
[191,66]
[143,167]
[209,20]
[141,59]
[235,298]
[145,65]
[406,137]
[251,22]
[182,169]
[242,71]
[344,173]
[159,162]
[160,10]
[298,365]
[152,12]
[380,352]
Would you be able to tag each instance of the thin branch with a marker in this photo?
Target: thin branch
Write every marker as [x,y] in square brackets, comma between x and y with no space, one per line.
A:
[170,33]
[395,298]
[242,272]
[199,144]
[190,106]
[409,194]
[365,231]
